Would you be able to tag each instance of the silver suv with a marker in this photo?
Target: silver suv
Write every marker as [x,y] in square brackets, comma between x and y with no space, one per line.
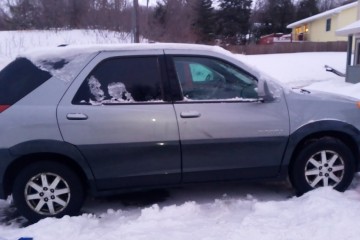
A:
[106,119]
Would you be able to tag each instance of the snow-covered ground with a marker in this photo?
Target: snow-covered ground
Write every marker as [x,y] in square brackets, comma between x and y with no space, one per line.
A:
[258,210]
[261,211]
[306,70]
[13,43]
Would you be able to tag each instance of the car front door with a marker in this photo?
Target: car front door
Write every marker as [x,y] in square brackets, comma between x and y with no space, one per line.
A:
[225,131]
[117,114]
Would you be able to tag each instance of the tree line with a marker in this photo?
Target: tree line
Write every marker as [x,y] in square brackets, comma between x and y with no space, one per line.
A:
[200,21]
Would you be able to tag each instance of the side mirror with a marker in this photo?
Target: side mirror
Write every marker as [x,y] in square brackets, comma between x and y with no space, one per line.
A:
[264,92]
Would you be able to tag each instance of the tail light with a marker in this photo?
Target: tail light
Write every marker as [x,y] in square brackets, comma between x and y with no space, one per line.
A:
[3,108]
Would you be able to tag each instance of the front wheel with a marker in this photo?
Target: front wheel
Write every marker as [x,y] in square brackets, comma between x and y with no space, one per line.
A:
[47,189]
[322,163]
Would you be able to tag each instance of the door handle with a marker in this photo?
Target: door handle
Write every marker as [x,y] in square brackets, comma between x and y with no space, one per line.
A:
[76,116]
[190,114]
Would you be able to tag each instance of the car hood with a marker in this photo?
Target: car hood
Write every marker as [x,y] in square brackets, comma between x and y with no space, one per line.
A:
[309,106]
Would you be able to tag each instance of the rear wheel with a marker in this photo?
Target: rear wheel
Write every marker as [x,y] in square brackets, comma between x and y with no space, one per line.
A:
[47,189]
[326,162]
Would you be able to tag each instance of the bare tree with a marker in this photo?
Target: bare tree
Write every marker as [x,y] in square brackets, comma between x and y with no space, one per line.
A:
[24,14]
[136,21]
[173,21]
[46,14]
[4,20]
[324,5]
[77,12]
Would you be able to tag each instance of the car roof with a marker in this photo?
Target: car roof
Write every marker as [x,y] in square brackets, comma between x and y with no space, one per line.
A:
[70,50]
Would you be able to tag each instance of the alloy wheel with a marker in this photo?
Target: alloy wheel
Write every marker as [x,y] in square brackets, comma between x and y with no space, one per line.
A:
[324,168]
[47,193]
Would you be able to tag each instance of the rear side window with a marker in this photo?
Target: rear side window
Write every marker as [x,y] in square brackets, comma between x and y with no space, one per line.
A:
[18,79]
[122,80]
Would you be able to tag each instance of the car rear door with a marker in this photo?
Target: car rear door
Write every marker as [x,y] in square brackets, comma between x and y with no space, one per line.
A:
[226,132]
[116,112]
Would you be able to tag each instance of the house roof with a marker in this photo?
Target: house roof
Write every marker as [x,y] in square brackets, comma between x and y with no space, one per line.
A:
[349,29]
[322,15]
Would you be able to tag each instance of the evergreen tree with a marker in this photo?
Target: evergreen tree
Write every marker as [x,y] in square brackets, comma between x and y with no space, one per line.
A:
[160,13]
[233,20]
[281,14]
[205,22]
[306,8]
[272,16]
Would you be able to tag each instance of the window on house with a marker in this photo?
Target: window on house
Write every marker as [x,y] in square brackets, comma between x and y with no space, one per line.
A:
[328,24]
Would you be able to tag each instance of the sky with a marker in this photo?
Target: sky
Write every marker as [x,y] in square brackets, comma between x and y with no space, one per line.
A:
[151,2]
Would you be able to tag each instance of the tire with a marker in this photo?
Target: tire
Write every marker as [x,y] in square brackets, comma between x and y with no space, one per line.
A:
[47,189]
[323,162]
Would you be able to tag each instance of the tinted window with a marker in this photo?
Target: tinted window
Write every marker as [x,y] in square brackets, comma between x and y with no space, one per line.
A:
[18,79]
[121,80]
[212,79]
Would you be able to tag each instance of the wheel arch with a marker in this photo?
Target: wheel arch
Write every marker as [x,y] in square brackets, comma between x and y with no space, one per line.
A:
[35,151]
[342,131]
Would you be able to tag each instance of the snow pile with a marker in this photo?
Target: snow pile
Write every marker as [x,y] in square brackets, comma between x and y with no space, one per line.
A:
[321,214]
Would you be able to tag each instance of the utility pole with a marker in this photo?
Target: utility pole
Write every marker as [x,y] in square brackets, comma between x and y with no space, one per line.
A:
[136,21]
